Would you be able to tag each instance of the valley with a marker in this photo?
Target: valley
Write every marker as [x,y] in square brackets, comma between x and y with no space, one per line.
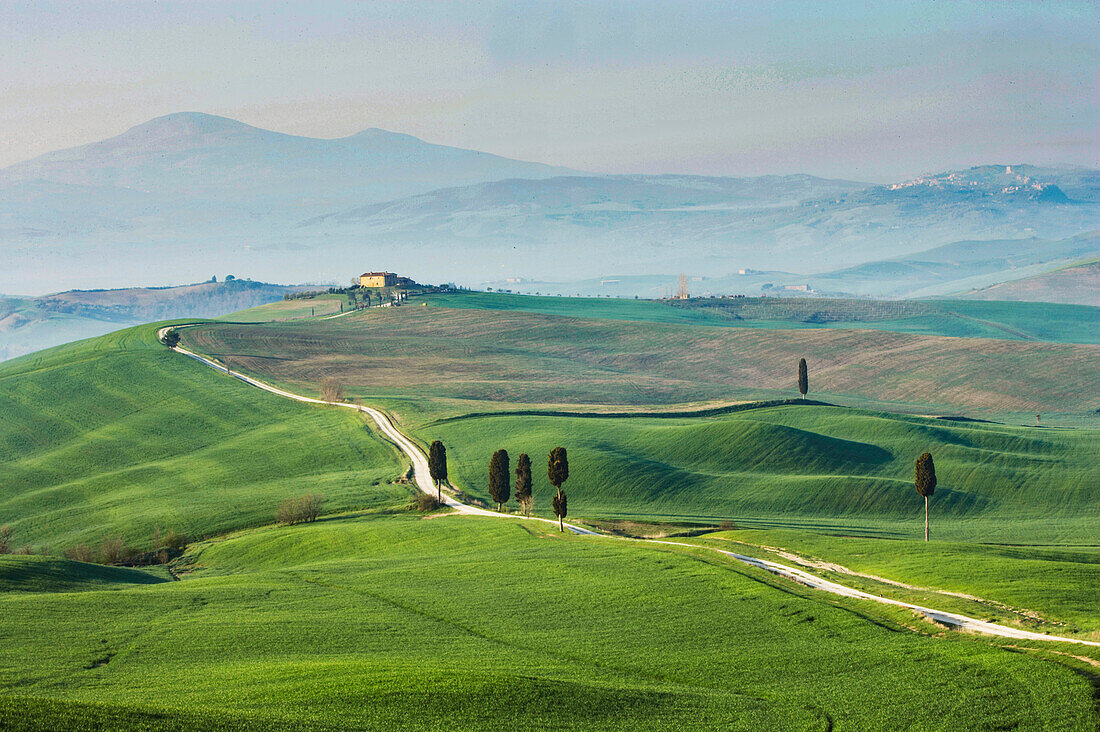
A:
[381,602]
[549,366]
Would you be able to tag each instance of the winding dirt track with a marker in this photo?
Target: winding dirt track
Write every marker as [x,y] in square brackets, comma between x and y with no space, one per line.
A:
[424,483]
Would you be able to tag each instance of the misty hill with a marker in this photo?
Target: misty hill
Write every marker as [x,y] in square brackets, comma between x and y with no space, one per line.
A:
[30,324]
[172,163]
[636,225]
[958,266]
[186,194]
[599,198]
[1076,284]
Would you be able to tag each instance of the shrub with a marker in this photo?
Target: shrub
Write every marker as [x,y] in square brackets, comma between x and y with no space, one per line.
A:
[114,551]
[300,510]
[332,390]
[166,545]
[426,502]
[5,540]
[80,553]
[169,540]
[727,525]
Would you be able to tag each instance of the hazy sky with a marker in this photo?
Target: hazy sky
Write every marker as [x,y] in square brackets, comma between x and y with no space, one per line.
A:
[863,90]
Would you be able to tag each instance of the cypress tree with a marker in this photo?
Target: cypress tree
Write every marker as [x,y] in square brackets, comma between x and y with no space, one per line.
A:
[523,482]
[498,478]
[557,470]
[803,378]
[561,508]
[926,483]
[437,466]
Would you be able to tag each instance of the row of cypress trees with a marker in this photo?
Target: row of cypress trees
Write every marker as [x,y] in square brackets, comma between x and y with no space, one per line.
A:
[557,470]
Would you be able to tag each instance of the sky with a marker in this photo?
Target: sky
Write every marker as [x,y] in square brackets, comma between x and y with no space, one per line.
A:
[869,91]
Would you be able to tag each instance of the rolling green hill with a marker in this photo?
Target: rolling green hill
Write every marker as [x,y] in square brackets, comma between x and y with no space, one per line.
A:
[808,467]
[381,619]
[36,573]
[463,359]
[1019,585]
[474,623]
[1037,321]
[116,436]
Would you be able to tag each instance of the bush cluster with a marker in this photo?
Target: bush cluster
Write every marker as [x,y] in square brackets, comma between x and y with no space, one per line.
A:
[425,502]
[300,510]
[6,546]
[303,295]
[113,550]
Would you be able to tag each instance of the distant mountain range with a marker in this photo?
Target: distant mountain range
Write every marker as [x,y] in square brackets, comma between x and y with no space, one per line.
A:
[185,194]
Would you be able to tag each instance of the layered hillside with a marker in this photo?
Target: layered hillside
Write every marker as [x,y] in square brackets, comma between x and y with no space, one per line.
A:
[117,437]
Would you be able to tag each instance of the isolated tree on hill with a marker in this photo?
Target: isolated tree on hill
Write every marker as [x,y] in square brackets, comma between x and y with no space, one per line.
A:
[557,470]
[171,338]
[926,483]
[437,466]
[499,478]
[523,483]
[803,378]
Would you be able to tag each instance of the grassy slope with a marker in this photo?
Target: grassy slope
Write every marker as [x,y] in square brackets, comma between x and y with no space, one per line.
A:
[479,624]
[1044,322]
[804,466]
[35,573]
[955,318]
[503,358]
[115,435]
[289,309]
[1076,283]
[1060,585]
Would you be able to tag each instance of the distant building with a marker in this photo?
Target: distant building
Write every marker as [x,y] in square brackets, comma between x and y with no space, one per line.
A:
[797,288]
[378,279]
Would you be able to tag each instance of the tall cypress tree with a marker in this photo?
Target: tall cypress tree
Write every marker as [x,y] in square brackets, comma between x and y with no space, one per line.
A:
[926,483]
[803,378]
[498,478]
[523,483]
[557,470]
[437,466]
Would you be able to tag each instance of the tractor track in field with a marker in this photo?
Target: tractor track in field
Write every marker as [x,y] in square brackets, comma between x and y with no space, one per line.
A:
[423,481]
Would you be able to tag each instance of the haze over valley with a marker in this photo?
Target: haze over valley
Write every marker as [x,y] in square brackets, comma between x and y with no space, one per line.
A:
[183,196]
